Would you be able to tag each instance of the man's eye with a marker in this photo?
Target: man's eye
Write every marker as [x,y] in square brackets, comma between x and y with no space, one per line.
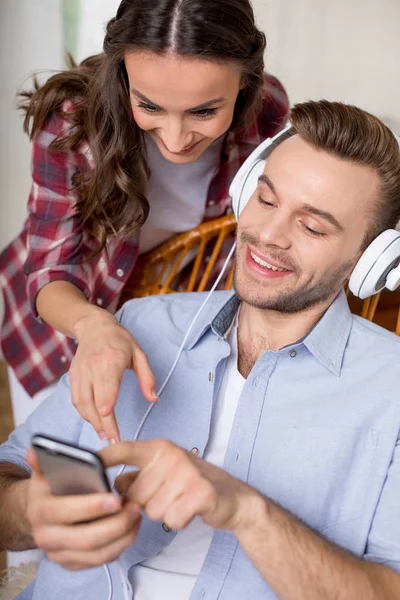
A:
[264,202]
[148,107]
[313,232]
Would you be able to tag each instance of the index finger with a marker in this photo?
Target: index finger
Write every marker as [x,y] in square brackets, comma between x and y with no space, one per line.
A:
[137,454]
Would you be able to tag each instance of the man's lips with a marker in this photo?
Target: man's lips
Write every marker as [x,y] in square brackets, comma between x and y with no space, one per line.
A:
[265,261]
[264,269]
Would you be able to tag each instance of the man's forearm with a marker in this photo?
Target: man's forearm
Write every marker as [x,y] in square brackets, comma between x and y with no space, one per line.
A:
[300,565]
[15,531]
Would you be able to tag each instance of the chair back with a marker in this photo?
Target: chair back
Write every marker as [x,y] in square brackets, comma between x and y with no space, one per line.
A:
[186,262]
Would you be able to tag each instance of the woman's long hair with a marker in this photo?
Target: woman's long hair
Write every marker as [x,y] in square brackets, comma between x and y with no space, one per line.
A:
[112,197]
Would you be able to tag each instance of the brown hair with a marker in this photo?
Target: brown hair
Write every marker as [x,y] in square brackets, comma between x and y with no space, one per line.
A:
[112,197]
[355,135]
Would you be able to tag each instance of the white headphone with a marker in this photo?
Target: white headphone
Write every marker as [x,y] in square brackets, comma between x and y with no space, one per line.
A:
[378,267]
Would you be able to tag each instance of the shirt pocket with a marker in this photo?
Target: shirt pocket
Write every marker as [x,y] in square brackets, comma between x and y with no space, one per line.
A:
[319,474]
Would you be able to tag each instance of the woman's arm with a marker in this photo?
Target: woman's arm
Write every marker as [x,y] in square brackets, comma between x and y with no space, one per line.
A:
[59,281]
[105,349]
[61,304]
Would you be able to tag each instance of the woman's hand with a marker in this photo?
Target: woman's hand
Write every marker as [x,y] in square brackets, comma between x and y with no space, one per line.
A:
[105,350]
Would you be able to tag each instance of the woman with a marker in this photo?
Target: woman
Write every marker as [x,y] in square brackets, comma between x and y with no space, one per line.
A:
[129,148]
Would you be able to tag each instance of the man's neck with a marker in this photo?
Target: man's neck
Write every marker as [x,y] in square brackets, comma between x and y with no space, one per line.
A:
[261,330]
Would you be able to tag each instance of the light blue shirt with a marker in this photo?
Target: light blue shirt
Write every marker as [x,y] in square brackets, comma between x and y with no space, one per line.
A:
[316,429]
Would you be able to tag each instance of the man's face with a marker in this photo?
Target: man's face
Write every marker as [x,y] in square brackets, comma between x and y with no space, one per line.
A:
[302,231]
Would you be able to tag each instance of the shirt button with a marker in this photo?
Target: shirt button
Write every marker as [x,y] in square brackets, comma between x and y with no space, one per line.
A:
[99,301]
[194,451]
[211,203]
[166,528]
[293,353]
[63,359]
[210,377]
[120,273]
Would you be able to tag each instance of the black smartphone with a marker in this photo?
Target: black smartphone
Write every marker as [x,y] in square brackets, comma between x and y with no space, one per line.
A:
[70,469]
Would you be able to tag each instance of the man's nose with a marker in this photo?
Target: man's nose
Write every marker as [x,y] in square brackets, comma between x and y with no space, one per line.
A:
[275,230]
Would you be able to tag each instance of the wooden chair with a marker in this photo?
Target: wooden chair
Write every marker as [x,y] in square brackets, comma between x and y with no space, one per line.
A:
[157,272]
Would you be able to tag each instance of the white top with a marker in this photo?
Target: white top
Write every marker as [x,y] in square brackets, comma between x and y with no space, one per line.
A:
[177,194]
[172,573]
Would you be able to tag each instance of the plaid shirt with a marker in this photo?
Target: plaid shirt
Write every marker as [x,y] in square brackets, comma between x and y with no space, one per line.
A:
[53,244]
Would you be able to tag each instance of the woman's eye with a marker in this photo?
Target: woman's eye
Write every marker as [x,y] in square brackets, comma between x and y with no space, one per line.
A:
[205,112]
[147,107]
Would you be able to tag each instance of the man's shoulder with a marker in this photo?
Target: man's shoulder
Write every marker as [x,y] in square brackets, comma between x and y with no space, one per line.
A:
[376,352]
[372,334]
[175,310]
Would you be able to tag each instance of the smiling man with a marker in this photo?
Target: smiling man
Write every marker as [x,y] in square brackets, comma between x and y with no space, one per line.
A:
[270,467]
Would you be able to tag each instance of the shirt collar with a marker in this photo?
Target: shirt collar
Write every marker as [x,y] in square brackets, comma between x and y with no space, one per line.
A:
[328,338]
[218,315]
[326,341]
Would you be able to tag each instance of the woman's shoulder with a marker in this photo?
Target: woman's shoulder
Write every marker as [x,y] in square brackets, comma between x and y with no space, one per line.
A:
[60,132]
[275,107]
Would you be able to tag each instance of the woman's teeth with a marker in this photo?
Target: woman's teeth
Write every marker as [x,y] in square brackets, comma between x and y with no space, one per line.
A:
[263,263]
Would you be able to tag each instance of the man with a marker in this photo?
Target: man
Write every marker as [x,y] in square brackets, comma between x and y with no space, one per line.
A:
[270,467]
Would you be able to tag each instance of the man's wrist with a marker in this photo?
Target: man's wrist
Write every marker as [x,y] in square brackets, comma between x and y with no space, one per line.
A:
[253,514]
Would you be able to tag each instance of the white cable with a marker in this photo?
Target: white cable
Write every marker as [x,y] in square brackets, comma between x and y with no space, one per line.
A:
[127,589]
[109,581]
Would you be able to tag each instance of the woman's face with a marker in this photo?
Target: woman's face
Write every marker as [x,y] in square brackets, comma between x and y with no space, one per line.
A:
[183,103]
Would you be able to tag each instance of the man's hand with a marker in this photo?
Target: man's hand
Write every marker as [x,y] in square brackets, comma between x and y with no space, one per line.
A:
[59,523]
[174,486]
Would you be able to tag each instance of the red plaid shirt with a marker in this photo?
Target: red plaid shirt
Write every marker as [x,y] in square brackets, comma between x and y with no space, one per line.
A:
[53,244]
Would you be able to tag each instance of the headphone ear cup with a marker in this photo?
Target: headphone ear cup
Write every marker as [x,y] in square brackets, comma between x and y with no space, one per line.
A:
[247,186]
[373,268]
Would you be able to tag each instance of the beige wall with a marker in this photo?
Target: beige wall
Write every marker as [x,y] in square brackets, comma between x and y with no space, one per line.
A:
[338,49]
[345,50]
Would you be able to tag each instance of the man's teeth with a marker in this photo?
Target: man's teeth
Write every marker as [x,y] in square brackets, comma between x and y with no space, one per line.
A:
[263,263]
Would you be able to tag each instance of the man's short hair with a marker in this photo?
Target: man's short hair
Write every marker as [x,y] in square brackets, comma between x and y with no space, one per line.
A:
[353,134]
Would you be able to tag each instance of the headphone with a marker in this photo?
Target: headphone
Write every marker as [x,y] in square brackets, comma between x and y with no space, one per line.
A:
[379,265]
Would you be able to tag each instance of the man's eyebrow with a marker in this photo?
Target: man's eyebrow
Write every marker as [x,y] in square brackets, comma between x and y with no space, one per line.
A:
[266,180]
[308,208]
[199,107]
[313,210]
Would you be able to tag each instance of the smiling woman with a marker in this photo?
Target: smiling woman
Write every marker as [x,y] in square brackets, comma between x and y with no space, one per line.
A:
[184,109]
[129,148]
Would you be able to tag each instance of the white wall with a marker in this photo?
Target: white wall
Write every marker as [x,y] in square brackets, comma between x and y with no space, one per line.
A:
[30,40]
[94,16]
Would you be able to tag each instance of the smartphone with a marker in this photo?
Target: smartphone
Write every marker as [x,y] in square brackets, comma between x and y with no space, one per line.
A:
[70,469]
